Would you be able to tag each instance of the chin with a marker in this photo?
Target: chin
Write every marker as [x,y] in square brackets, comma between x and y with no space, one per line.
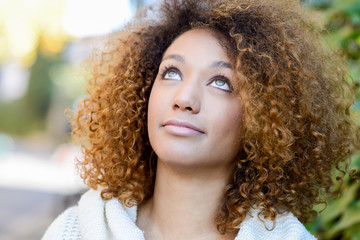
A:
[180,159]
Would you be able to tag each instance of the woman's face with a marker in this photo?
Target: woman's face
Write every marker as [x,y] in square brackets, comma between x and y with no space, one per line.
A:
[194,120]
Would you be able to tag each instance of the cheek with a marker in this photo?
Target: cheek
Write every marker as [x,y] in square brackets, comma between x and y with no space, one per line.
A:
[150,111]
[156,107]
[234,119]
[228,119]
[226,126]
[153,108]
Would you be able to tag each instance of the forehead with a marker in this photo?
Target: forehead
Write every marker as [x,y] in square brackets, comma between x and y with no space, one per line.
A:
[199,42]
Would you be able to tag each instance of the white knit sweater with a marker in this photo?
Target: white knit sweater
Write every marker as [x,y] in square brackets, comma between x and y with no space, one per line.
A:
[95,219]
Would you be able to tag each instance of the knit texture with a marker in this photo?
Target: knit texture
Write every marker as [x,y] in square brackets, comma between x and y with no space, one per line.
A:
[95,219]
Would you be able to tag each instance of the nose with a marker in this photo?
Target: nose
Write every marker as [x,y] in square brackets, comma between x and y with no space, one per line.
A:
[187,98]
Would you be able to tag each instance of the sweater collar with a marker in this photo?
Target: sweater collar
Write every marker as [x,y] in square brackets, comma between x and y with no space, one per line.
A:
[104,220]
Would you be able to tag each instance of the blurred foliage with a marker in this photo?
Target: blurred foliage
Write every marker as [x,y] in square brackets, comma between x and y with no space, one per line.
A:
[31,34]
[341,218]
[29,113]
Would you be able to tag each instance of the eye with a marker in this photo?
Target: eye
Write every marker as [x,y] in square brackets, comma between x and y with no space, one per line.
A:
[171,73]
[222,83]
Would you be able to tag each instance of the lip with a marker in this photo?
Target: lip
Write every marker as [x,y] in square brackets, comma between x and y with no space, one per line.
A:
[182,128]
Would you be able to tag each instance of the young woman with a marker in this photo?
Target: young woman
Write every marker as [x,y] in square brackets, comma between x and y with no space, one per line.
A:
[211,120]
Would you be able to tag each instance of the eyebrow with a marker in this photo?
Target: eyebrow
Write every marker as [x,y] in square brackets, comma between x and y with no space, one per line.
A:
[220,64]
[175,57]
[216,64]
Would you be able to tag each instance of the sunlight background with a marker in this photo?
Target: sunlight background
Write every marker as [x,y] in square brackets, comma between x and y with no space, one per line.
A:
[42,46]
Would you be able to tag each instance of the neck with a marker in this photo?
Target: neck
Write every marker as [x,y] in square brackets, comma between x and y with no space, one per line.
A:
[184,206]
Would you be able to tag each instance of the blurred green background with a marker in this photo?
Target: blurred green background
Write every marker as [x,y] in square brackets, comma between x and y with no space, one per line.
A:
[341,218]
[42,74]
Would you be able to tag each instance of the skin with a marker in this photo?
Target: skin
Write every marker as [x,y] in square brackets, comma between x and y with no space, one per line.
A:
[194,86]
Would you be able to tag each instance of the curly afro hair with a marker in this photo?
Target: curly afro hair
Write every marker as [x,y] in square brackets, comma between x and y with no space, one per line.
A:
[295,95]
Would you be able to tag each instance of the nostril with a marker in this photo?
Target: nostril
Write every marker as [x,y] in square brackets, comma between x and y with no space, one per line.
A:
[177,106]
[186,105]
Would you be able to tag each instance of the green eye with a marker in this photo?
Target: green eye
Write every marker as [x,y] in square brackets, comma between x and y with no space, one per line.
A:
[222,83]
[219,83]
[171,74]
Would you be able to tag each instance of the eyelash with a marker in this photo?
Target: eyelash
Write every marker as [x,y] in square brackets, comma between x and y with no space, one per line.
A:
[222,77]
[166,69]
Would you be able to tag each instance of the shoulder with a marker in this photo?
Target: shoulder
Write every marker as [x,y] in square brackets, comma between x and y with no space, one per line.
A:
[95,219]
[73,221]
[65,226]
[287,227]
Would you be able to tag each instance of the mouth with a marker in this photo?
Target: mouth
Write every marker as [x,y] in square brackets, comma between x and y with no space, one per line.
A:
[182,128]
